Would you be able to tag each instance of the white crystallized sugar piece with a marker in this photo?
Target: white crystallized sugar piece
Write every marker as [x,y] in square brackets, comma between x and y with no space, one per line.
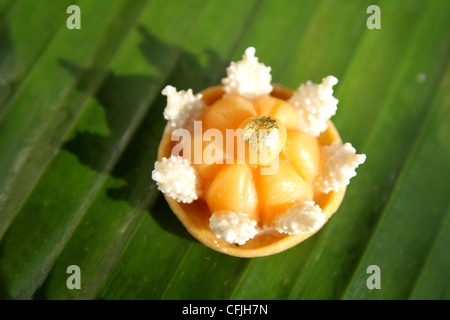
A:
[315,104]
[301,218]
[177,178]
[339,162]
[182,106]
[233,227]
[248,77]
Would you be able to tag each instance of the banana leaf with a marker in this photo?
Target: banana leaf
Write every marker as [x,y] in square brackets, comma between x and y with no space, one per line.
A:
[81,120]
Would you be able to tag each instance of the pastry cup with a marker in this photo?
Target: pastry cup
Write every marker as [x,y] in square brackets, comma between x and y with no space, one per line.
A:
[195,216]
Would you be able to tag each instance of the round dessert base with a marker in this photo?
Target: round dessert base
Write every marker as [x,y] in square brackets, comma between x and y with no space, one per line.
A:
[195,216]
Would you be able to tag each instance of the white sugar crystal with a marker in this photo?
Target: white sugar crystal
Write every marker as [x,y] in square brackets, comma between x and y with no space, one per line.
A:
[248,77]
[315,104]
[182,106]
[233,227]
[301,218]
[177,178]
[339,162]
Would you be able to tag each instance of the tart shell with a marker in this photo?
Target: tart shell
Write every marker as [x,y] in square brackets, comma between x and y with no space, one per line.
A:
[195,216]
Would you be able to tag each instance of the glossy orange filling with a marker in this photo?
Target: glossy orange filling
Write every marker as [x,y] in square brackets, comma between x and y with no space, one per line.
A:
[236,180]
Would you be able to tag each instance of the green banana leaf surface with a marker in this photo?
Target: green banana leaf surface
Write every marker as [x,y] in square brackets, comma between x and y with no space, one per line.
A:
[81,117]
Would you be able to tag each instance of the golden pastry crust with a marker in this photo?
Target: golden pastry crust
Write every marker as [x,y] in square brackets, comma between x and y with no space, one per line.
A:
[195,216]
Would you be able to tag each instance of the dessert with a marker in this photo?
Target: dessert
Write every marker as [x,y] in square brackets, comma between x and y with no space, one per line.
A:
[252,168]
